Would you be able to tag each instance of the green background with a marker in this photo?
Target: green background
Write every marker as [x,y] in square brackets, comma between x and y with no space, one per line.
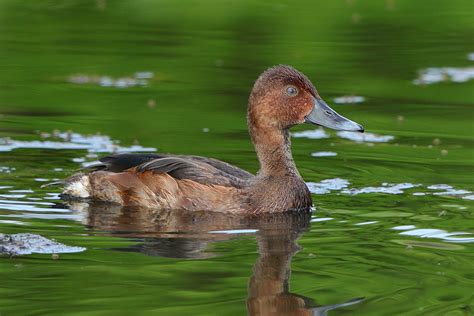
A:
[205,56]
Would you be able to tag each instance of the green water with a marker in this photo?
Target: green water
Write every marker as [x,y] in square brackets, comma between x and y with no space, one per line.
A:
[204,57]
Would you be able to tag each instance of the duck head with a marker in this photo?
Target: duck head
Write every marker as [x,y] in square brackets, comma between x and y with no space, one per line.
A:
[283,97]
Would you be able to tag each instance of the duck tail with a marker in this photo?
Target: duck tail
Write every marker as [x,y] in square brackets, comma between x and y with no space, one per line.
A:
[76,186]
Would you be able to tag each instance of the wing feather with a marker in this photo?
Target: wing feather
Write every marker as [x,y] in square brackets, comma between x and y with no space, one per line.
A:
[200,169]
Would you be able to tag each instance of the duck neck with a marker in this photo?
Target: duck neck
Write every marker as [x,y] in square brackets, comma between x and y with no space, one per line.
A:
[273,147]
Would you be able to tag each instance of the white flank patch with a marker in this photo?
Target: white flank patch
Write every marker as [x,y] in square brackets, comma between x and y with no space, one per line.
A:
[79,188]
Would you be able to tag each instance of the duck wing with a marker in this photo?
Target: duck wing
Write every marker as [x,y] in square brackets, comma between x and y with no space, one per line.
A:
[200,169]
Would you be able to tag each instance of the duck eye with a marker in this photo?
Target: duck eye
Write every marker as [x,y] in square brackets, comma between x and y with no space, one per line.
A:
[291,91]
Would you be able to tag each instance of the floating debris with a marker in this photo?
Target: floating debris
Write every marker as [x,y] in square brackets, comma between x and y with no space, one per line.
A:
[91,143]
[439,187]
[349,99]
[366,223]
[8,221]
[444,74]
[440,234]
[449,191]
[42,180]
[365,137]
[5,169]
[342,186]
[327,185]
[436,141]
[337,184]
[21,191]
[312,134]
[138,79]
[388,188]
[26,243]
[404,227]
[324,154]
[470,56]
[144,75]
[452,192]
[151,103]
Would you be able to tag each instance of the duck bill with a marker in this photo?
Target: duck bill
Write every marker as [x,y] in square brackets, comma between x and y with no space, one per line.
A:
[323,115]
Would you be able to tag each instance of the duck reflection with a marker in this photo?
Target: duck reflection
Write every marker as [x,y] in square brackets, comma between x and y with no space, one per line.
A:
[184,234]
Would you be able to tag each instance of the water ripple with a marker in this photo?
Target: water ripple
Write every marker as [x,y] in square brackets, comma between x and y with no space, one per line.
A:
[342,185]
[365,137]
[324,154]
[91,143]
[349,99]
[440,234]
[26,243]
[311,134]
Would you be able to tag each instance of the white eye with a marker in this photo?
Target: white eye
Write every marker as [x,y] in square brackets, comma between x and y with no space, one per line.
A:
[291,91]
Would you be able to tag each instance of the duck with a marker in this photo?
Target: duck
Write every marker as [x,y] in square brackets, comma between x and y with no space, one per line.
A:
[281,97]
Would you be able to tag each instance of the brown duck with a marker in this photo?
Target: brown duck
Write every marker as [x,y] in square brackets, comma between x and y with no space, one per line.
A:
[281,98]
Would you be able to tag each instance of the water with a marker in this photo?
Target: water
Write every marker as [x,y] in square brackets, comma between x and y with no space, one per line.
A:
[392,232]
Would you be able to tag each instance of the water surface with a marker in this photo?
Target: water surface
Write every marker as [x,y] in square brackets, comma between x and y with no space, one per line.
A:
[392,232]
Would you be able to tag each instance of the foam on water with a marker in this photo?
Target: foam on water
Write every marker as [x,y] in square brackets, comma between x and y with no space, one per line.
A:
[9,221]
[6,169]
[366,223]
[320,133]
[91,143]
[387,188]
[450,191]
[439,187]
[312,134]
[26,243]
[324,154]
[342,186]
[349,99]
[440,234]
[138,79]
[327,185]
[444,74]
[403,227]
[365,137]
